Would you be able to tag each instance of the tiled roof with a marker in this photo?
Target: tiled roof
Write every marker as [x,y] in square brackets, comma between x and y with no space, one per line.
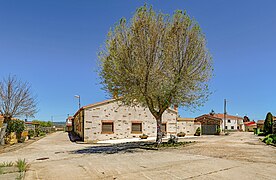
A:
[208,116]
[228,116]
[105,102]
[251,123]
[260,121]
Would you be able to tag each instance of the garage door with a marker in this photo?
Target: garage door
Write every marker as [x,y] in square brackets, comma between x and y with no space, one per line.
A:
[209,129]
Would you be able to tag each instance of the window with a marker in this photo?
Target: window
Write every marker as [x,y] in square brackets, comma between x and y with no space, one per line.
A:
[232,127]
[136,128]
[164,127]
[238,127]
[225,127]
[107,127]
[229,121]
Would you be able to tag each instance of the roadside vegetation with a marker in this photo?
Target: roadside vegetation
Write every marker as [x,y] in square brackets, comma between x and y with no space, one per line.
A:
[270,139]
[19,167]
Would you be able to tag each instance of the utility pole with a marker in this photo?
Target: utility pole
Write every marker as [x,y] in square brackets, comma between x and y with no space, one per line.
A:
[224,116]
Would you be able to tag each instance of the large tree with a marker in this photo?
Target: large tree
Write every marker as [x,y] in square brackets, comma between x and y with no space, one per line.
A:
[16,100]
[157,61]
[268,123]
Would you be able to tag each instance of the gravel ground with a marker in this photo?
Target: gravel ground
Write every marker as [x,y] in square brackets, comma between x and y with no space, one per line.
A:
[239,155]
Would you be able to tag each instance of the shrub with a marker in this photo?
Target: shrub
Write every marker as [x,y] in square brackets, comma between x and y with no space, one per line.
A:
[261,134]
[173,139]
[270,139]
[41,133]
[6,164]
[218,131]
[31,133]
[17,126]
[21,164]
[197,133]
[21,139]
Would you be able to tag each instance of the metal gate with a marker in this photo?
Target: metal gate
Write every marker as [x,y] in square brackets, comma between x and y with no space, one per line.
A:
[209,129]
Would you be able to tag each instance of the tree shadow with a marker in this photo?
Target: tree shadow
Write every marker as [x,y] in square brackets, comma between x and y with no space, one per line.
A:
[115,148]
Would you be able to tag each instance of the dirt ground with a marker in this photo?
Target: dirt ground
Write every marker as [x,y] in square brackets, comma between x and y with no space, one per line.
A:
[239,155]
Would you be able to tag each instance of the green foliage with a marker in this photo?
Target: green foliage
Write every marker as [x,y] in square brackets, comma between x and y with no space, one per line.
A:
[270,139]
[6,164]
[268,123]
[197,133]
[31,133]
[21,164]
[173,139]
[41,133]
[17,126]
[43,123]
[156,61]
[218,131]
[261,134]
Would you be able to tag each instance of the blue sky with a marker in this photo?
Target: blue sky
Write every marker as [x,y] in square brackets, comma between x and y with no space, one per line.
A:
[53,45]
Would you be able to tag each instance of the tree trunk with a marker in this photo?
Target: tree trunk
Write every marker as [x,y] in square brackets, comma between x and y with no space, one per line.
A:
[159,130]
[3,133]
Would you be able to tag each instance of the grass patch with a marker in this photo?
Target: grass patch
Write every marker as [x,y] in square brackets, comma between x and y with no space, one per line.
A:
[169,145]
[6,164]
[22,165]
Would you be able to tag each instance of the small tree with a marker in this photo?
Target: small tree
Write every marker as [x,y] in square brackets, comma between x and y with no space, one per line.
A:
[156,61]
[246,119]
[17,126]
[15,100]
[268,123]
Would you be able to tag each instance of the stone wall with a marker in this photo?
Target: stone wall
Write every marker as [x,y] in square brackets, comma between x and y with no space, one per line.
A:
[122,118]
[187,126]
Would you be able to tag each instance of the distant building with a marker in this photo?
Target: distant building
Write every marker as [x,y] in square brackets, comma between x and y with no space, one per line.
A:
[69,124]
[233,123]
[209,124]
[249,126]
[260,124]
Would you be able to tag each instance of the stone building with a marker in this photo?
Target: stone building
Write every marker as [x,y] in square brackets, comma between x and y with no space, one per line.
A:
[111,120]
[187,125]
[209,124]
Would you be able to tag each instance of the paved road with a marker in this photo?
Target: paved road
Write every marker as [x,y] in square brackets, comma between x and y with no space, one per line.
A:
[237,156]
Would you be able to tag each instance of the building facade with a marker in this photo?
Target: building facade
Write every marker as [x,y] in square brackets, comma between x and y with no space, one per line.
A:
[112,120]
[232,123]
[210,125]
[187,125]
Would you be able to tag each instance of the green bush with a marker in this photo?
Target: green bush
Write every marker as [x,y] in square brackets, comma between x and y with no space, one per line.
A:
[181,134]
[218,131]
[17,126]
[22,165]
[31,133]
[270,139]
[41,133]
[261,134]
[21,139]
[173,139]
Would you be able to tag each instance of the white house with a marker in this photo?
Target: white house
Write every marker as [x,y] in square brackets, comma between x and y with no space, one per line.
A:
[234,123]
